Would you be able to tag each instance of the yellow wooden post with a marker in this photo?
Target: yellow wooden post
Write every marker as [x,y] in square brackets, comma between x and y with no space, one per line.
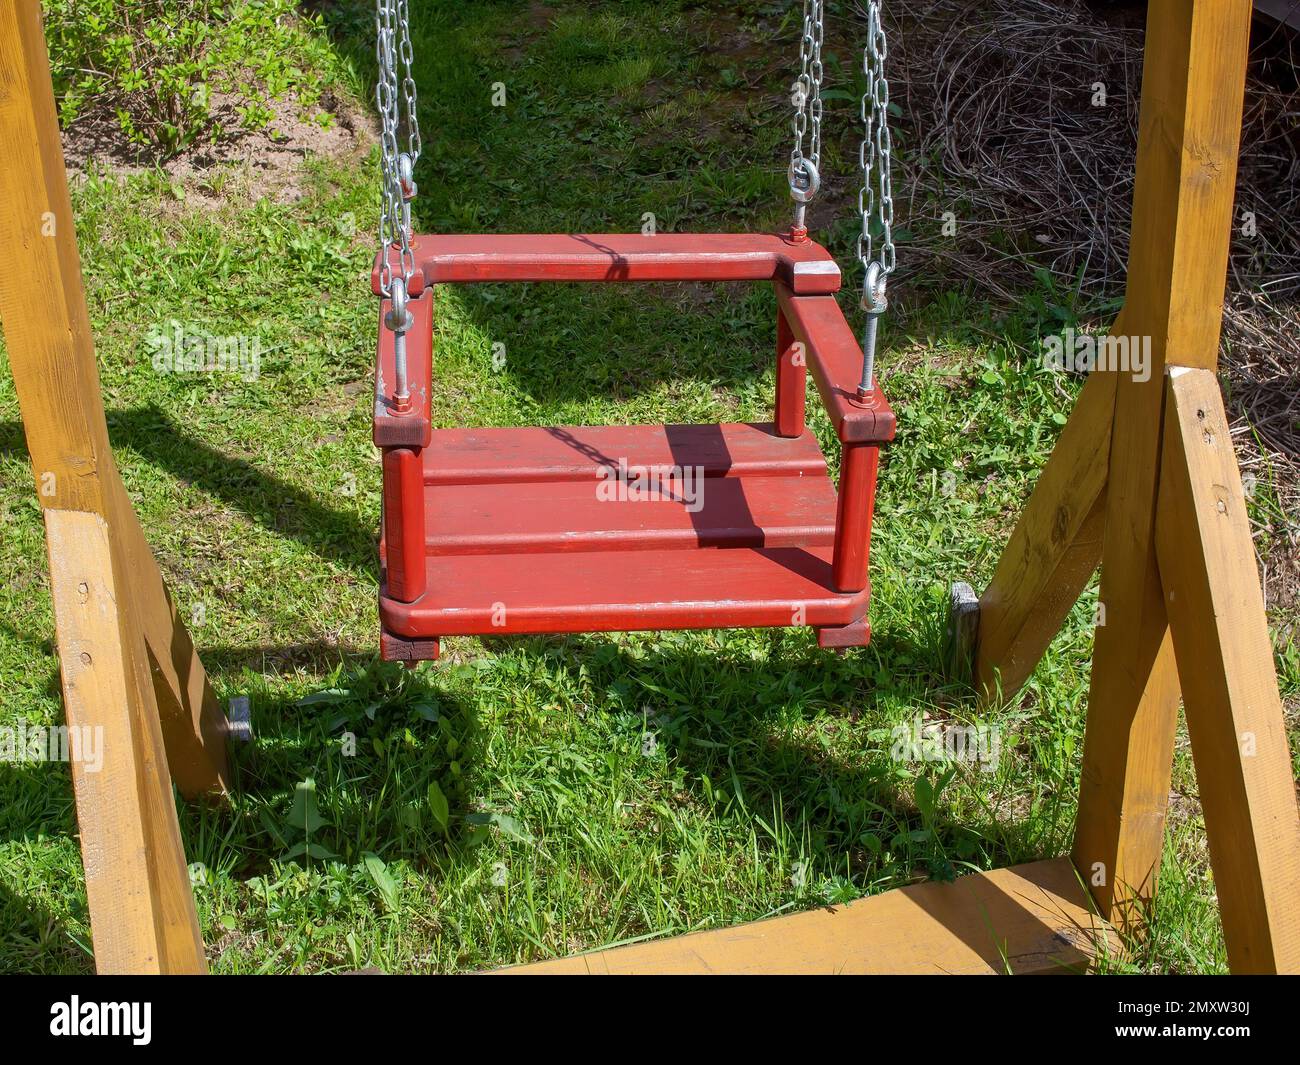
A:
[1230,694]
[137,882]
[129,668]
[1156,460]
[52,356]
[1189,129]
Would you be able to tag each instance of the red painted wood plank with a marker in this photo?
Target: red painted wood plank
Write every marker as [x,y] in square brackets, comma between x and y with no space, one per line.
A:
[623,591]
[806,267]
[402,542]
[839,637]
[572,453]
[791,382]
[589,515]
[853,519]
[835,357]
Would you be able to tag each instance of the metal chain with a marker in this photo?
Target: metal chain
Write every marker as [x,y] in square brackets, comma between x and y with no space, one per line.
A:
[407,56]
[392,228]
[874,156]
[393,47]
[875,151]
[807,99]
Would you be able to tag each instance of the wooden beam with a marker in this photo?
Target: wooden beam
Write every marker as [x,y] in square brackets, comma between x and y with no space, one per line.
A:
[1133,697]
[1190,123]
[52,357]
[1031,918]
[137,883]
[1189,135]
[1230,693]
[1053,551]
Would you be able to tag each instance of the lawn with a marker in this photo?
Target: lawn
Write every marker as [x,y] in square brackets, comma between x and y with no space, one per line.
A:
[531,797]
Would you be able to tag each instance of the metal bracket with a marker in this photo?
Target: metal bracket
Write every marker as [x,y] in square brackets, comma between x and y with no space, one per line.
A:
[961,632]
[239,720]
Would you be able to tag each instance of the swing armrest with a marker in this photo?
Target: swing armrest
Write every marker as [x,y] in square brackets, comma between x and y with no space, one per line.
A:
[832,352]
[805,266]
[411,429]
[834,355]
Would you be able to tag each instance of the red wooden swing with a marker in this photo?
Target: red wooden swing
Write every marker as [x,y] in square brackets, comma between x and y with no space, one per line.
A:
[504,531]
[499,531]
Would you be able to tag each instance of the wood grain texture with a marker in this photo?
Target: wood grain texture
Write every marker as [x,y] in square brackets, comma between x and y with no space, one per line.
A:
[403,542]
[51,355]
[1031,918]
[391,427]
[1189,127]
[522,535]
[788,414]
[855,504]
[137,882]
[1230,693]
[728,512]
[1189,134]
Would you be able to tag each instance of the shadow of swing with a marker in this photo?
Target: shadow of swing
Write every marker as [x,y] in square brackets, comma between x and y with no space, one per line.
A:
[241,484]
[264,498]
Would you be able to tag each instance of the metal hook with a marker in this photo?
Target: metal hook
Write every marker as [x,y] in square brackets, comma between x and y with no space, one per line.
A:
[398,320]
[406,178]
[875,304]
[805,180]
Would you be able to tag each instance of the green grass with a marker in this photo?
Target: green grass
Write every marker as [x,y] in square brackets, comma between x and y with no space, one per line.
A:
[765,784]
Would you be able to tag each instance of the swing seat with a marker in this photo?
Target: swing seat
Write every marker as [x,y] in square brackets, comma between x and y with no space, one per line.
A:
[620,528]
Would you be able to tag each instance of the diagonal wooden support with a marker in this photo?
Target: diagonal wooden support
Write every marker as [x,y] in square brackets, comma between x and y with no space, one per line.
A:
[1133,698]
[1193,83]
[1230,693]
[137,881]
[1033,918]
[1179,584]
[52,358]
[132,682]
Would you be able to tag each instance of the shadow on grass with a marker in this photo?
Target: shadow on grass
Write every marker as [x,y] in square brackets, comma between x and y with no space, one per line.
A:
[316,655]
[578,343]
[35,942]
[263,497]
[743,736]
[35,808]
[733,723]
[372,744]
[852,811]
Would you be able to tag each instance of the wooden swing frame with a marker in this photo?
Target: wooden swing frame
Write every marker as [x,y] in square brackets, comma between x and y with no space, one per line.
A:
[1143,481]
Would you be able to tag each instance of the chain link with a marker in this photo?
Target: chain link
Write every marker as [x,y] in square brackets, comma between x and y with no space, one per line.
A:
[407,56]
[390,22]
[807,96]
[875,152]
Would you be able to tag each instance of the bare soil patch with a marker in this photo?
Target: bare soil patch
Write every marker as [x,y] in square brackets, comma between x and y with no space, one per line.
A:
[267,162]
